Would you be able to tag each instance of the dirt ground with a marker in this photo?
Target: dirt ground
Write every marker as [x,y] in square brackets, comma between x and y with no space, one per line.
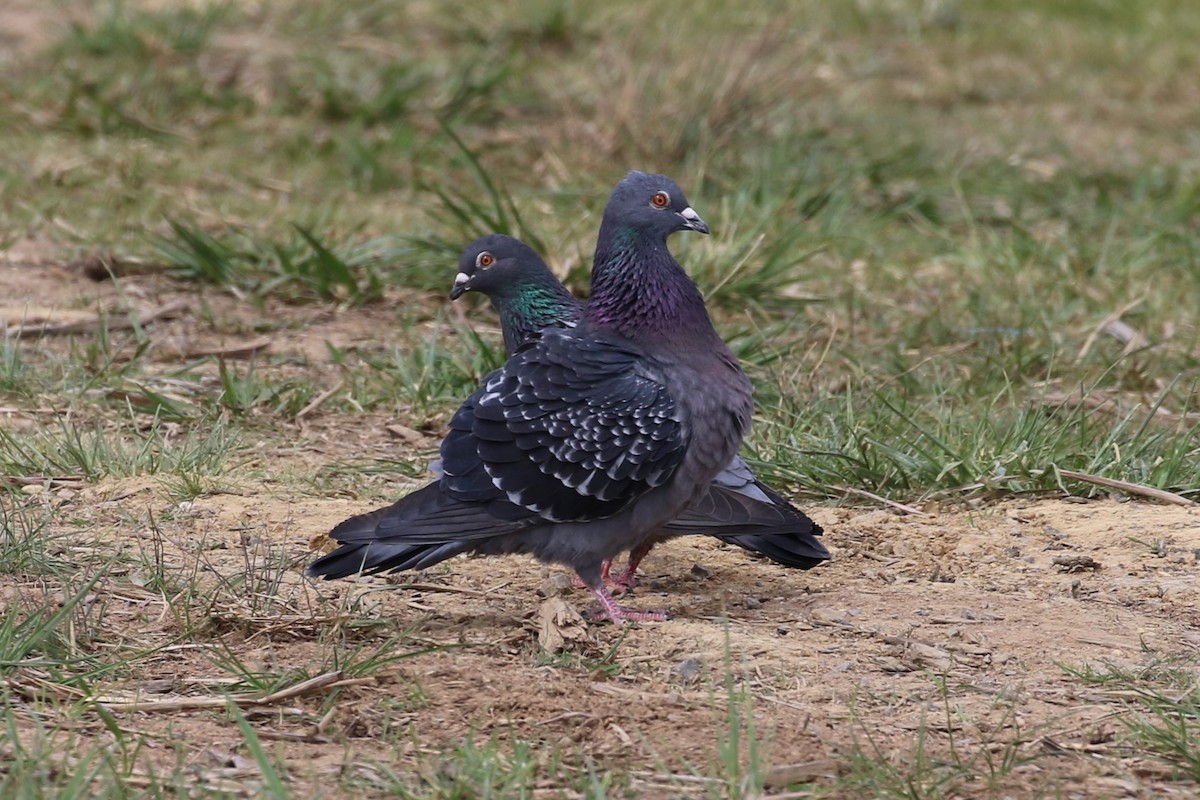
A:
[942,635]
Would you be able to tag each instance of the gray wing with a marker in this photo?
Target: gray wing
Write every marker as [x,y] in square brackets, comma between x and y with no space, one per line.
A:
[570,429]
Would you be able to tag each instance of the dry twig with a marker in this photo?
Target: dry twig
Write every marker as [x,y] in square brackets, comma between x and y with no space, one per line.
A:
[1127,336]
[320,400]
[238,350]
[116,323]
[1126,486]
[319,683]
[51,482]
[916,512]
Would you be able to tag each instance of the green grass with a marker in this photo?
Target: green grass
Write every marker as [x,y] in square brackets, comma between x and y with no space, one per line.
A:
[1160,707]
[38,766]
[119,448]
[65,640]
[907,296]
[924,215]
[300,268]
[908,277]
[27,545]
[950,755]
[894,445]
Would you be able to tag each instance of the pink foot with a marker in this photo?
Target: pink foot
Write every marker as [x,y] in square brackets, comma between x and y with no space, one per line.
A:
[627,579]
[619,615]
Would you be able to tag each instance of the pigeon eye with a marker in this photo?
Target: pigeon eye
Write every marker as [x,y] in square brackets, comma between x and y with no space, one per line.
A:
[485,260]
[660,200]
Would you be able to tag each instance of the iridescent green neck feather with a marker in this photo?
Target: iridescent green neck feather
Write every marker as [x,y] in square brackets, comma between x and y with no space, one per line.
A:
[533,304]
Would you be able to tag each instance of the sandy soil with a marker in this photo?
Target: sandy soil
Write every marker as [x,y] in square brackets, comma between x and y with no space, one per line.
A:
[945,634]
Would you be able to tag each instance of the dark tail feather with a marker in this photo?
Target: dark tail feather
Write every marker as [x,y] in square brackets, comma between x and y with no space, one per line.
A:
[755,518]
[799,550]
[418,531]
[755,509]
[779,501]
[374,557]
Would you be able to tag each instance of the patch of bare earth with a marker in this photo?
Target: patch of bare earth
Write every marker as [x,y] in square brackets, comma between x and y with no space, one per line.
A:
[954,628]
[946,632]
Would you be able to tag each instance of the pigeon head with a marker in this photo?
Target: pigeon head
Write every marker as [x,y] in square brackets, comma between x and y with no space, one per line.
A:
[498,266]
[638,288]
[526,294]
[651,205]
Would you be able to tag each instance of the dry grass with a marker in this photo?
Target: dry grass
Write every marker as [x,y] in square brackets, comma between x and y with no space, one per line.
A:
[954,244]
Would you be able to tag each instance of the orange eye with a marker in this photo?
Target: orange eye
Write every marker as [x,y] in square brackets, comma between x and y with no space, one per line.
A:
[485,260]
[660,200]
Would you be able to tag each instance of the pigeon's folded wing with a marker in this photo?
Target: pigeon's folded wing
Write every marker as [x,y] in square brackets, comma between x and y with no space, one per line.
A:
[571,428]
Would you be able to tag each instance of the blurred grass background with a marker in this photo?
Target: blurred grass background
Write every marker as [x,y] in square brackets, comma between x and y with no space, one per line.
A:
[955,242]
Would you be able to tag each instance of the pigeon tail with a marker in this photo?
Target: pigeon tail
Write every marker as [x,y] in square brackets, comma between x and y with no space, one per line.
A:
[423,528]
[373,558]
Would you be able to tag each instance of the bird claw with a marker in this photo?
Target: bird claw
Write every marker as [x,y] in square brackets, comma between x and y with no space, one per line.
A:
[617,614]
[617,585]
[625,582]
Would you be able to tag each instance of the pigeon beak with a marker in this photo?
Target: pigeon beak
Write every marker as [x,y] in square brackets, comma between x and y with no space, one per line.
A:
[461,284]
[692,221]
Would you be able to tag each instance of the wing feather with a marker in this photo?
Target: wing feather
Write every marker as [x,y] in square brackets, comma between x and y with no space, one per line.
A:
[569,428]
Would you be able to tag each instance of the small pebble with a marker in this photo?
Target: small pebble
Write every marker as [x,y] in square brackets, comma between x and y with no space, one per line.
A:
[557,584]
[687,670]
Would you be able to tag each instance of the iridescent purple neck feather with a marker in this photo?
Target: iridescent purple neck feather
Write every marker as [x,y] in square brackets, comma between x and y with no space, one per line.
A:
[639,289]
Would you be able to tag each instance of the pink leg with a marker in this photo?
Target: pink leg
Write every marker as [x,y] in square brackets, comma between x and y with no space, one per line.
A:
[626,577]
[619,615]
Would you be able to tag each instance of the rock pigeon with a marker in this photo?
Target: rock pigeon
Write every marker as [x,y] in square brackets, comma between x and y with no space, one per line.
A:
[589,439]
[529,298]
[526,294]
